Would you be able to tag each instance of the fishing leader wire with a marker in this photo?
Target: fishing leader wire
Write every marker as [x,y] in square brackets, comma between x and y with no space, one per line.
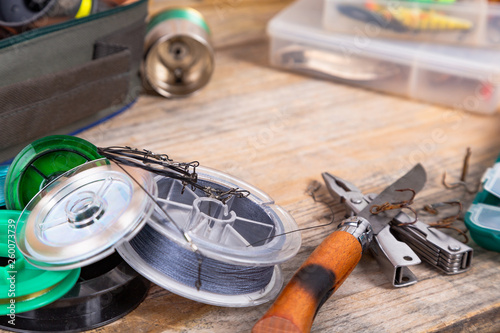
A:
[163,165]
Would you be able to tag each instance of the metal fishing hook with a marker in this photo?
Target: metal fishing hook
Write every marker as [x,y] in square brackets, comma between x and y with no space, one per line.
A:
[462,181]
[405,204]
[446,222]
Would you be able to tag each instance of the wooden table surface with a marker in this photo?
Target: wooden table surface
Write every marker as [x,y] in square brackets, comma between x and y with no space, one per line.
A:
[279,131]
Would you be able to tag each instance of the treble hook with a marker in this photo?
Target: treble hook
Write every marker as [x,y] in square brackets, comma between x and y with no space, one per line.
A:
[446,222]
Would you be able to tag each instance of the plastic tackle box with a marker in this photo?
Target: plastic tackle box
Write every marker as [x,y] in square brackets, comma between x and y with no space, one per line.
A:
[461,22]
[457,77]
[483,216]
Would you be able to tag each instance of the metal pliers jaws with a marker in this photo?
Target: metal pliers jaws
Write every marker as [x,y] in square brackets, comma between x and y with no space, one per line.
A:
[394,246]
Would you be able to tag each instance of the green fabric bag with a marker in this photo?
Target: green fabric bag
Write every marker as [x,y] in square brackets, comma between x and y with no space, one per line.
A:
[63,78]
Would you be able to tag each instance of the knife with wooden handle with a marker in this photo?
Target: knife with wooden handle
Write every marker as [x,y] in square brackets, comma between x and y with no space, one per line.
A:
[316,280]
[331,263]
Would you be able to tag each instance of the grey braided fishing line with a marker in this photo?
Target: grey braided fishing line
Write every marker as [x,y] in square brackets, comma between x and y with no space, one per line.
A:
[213,248]
[182,265]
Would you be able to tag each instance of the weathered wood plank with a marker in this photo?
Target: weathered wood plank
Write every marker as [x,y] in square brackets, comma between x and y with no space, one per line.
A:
[279,131]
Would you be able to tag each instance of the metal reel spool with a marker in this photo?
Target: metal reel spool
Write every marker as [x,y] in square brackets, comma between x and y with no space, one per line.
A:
[179,58]
[105,292]
[41,162]
[24,287]
[80,217]
[239,232]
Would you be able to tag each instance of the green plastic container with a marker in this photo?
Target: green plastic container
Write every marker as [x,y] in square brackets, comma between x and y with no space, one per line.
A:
[483,217]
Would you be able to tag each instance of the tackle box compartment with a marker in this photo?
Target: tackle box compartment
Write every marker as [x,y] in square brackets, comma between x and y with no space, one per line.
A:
[457,77]
[459,22]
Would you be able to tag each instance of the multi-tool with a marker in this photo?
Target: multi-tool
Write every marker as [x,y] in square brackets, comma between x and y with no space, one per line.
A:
[402,243]
[371,225]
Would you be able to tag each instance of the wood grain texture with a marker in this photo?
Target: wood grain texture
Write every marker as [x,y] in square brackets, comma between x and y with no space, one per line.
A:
[315,281]
[279,131]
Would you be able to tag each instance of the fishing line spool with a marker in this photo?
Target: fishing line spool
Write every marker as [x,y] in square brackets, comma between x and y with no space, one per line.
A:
[24,287]
[41,162]
[106,291]
[179,57]
[237,263]
[80,217]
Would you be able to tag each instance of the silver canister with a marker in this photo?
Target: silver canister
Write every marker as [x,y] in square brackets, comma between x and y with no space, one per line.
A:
[179,57]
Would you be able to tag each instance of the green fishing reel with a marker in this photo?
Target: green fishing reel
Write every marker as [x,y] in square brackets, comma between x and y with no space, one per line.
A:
[24,287]
[41,162]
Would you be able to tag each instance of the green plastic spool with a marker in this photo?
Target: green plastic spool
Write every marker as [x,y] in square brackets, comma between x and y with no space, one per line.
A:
[42,161]
[24,287]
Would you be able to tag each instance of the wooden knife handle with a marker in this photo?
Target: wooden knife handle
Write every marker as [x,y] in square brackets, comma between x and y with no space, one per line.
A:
[316,280]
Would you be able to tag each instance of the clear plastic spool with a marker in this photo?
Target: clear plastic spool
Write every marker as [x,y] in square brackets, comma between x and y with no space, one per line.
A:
[240,232]
[80,217]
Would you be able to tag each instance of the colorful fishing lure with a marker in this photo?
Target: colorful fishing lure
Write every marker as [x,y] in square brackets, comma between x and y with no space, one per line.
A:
[433,1]
[404,19]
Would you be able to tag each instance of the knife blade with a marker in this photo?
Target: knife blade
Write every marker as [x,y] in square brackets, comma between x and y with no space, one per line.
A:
[414,179]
